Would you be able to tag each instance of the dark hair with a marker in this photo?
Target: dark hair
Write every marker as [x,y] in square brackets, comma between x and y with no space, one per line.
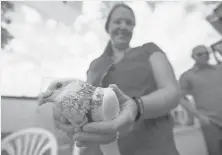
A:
[195,48]
[108,48]
[113,9]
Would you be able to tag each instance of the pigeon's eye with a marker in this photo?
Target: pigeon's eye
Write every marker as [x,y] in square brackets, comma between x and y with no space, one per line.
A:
[59,85]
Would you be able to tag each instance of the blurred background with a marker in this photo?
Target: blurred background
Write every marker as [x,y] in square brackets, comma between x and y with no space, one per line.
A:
[43,40]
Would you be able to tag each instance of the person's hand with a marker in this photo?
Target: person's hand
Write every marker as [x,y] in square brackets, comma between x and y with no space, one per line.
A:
[105,132]
[204,119]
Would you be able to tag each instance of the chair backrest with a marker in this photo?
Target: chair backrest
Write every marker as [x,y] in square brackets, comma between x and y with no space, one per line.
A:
[31,141]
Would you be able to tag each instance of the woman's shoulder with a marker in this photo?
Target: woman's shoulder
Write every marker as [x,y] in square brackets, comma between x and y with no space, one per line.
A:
[149,45]
[149,48]
[99,61]
[93,63]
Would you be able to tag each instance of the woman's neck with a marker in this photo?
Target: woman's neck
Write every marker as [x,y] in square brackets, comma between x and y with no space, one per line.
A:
[117,52]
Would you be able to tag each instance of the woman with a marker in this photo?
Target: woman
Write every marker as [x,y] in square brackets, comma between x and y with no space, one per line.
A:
[144,125]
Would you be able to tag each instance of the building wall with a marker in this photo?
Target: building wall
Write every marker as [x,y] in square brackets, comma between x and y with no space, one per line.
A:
[17,113]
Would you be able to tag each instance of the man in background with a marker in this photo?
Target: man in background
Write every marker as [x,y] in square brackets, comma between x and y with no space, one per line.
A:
[204,83]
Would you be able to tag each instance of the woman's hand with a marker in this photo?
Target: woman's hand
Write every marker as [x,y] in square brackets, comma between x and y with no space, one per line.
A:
[108,131]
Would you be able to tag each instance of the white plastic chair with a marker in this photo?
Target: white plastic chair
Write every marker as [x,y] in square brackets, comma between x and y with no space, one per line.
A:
[31,141]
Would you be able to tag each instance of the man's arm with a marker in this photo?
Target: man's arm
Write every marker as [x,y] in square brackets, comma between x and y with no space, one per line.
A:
[188,105]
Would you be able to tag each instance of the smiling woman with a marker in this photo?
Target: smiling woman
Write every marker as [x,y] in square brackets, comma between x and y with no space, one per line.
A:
[58,50]
[141,72]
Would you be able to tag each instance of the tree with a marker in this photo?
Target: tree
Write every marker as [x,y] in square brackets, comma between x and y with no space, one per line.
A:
[6,7]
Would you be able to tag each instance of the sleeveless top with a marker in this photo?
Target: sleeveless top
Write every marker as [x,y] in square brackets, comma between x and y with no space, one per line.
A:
[134,76]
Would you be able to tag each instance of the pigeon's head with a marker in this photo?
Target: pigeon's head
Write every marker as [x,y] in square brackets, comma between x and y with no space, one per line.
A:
[51,93]
[59,91]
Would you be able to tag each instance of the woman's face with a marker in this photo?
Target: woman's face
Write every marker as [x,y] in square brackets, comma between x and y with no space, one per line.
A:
[121,26]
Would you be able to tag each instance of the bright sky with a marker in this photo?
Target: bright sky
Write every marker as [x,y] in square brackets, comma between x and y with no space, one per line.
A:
[46,49]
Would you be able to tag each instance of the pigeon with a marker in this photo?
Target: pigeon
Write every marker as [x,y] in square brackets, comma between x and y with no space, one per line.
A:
[79,103]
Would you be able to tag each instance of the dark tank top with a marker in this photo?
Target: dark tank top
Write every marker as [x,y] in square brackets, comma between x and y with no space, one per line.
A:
[134,76]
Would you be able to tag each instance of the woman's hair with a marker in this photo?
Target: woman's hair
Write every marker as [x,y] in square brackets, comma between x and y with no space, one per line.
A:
[108,48]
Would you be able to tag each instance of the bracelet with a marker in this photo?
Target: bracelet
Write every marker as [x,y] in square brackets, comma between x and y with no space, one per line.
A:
[140,106]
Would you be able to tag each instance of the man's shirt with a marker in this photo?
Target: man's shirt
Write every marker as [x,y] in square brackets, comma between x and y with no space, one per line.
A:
[205,85]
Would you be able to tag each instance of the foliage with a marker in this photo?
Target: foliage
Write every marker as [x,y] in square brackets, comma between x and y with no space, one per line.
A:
[6,7]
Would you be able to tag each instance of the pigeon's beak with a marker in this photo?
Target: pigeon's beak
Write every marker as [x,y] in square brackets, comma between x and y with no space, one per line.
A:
[45,98]
[41,102]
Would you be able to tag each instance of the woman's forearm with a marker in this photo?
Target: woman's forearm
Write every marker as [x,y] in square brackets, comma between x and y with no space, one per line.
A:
[160,102]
